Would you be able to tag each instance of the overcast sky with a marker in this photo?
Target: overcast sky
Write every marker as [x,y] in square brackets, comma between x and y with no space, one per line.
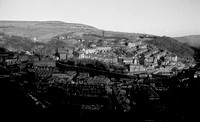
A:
[159,17]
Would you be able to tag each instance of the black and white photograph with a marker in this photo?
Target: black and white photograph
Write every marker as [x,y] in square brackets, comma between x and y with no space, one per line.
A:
[100,60]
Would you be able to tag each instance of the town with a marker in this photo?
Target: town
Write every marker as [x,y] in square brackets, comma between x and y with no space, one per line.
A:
[100,75]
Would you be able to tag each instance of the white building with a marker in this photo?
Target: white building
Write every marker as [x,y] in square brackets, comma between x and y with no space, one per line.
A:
[149,60]
[143,46]
[88,51]
[135,61]
[11,61]
[137,68]
[160,54]
[128,60]
[103,48]
[174,58]
[134,44]
[141,51]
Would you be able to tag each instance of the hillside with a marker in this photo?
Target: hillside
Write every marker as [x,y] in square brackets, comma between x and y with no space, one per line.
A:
[172,45]
[49,35]
[192,40]
[41,31]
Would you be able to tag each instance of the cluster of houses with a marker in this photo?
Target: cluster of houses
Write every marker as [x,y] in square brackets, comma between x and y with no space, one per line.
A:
[145,58]
[9,59]
[148,58]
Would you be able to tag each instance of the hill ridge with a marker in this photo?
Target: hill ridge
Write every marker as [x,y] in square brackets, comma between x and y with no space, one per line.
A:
[192,40]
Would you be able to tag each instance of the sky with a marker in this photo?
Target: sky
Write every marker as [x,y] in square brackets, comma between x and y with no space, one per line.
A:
[159,17]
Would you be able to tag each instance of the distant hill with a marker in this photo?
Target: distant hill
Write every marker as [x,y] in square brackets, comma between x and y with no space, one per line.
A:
[174,46]
[41,30]
[48,35]
[45,30]
[192,40]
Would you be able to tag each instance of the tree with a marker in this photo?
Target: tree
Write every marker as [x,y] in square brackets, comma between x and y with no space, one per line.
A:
[174,69]
[71,62]
[120,51]
[76,54]
[130,54]
[100,42]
